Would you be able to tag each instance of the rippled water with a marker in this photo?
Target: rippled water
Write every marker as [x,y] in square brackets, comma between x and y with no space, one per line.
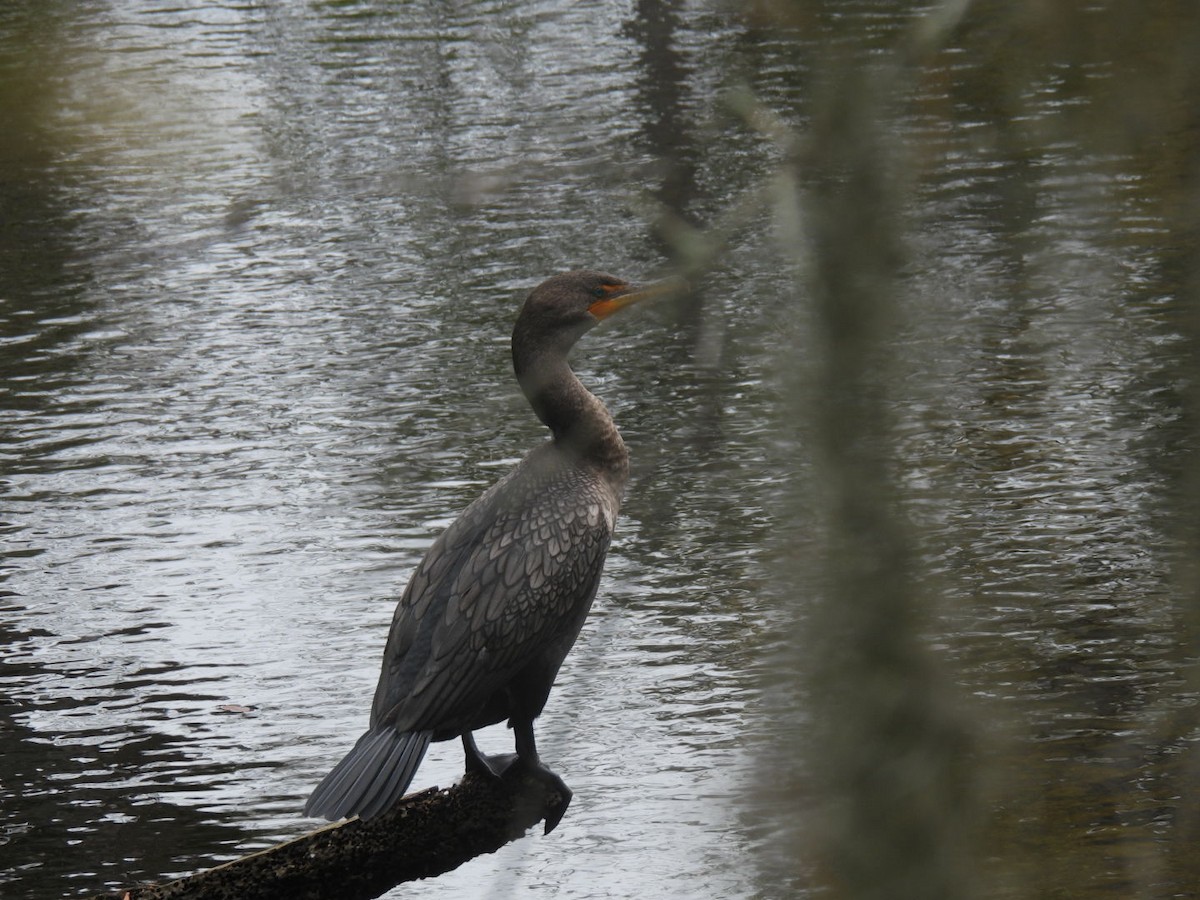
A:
[259,275]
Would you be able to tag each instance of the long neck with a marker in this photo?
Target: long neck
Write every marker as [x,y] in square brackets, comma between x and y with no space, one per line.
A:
[581,424]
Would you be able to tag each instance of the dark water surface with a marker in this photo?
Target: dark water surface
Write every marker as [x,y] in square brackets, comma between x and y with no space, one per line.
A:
[259,267]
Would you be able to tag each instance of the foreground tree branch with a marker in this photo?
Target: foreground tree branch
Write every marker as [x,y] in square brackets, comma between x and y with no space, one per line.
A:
[429,833]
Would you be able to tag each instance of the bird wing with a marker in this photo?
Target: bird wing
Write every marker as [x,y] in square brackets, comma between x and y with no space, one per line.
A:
[513,575]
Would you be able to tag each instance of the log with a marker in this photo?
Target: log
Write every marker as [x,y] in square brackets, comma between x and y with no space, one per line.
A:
[428,833]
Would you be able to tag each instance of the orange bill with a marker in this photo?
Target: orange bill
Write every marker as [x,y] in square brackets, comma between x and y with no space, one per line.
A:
[619,296]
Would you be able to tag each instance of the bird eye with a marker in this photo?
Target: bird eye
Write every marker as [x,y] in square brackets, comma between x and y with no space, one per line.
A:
[599,291]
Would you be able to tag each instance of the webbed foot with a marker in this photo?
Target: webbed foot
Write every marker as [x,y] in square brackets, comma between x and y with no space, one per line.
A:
[495,765]
[555,793]
[479,763]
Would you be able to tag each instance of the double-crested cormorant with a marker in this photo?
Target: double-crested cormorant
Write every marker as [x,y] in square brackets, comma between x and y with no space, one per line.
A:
[492,610]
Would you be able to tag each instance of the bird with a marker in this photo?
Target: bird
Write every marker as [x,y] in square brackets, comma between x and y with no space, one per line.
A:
[492,610]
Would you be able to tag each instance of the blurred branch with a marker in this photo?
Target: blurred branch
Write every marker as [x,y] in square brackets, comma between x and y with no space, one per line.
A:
[887,750]
[931,30]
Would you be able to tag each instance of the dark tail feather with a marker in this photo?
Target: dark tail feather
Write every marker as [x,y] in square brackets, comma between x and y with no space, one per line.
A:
[372,777]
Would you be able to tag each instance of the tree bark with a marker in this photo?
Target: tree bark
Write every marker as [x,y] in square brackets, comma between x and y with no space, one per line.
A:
[428,833]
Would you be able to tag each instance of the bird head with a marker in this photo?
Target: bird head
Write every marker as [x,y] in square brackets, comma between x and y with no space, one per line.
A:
[556,314]
[562,309]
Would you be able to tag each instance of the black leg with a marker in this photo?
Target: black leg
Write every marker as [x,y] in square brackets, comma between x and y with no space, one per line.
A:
[526,744]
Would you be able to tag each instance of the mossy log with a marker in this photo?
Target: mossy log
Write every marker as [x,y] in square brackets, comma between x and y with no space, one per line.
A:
[428,833]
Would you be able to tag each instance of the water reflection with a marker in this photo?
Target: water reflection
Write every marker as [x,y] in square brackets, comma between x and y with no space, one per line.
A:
[255,298]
